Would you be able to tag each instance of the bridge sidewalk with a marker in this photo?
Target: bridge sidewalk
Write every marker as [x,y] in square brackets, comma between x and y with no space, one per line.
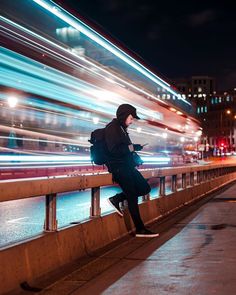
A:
[196,255]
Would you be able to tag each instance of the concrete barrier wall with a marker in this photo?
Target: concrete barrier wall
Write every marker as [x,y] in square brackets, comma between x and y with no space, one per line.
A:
[31,259]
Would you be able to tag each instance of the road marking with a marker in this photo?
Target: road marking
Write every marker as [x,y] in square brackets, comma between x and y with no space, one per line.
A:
[16,219]
[83,204]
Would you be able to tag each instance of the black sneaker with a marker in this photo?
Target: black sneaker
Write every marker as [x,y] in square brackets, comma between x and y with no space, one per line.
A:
[115,204]
[145,233]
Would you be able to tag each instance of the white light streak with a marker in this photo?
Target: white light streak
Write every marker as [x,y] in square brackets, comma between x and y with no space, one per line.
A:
[93,35]
[139,129]
[95,120]
[12,101]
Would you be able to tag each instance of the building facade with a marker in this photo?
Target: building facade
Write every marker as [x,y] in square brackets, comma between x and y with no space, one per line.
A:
[215,110]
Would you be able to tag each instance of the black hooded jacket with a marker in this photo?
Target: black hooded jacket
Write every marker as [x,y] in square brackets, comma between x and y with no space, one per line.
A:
[118,141]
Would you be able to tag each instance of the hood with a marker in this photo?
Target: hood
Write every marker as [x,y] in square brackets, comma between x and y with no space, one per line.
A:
[124,110]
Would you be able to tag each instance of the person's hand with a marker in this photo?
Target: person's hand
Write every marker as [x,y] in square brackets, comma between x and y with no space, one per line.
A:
[137,147]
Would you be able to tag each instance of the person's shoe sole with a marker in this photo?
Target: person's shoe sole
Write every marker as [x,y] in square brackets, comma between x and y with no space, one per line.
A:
[146,236]
[117,211]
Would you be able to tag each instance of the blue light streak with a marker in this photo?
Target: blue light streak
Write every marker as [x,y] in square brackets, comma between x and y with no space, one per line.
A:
[99,39]
[68,159]
[44,140]
[44,158]
[25,74]
[81,58]
[155,159]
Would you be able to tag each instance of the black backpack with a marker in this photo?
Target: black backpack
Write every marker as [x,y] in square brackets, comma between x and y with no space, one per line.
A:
[98,150]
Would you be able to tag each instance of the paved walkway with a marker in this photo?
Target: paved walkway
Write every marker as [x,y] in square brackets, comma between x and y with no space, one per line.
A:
[196,256]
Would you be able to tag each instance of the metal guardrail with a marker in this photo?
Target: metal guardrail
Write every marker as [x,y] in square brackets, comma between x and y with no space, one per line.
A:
[51,186]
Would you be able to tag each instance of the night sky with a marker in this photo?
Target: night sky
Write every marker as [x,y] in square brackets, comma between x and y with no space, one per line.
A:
[176,38]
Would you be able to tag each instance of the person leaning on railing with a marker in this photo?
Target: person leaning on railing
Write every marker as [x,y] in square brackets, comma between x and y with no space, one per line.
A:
[122,162]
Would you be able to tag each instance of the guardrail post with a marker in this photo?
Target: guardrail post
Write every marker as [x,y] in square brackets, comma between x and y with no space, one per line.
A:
[162,186]
[198,176]
[174,183]
[50,223]
[192,178]
[208,174]
[146,198]
[213,173]
[204,175]
[95,210]
[184,184]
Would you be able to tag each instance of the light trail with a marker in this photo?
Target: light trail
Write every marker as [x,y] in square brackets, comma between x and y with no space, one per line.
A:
[90,86]
[42,140]
[99,39]
[38,135]
[58,159]
[25,74]
[90,63]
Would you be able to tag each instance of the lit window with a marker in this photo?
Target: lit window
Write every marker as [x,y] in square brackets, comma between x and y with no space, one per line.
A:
[199,89]
[205,109]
